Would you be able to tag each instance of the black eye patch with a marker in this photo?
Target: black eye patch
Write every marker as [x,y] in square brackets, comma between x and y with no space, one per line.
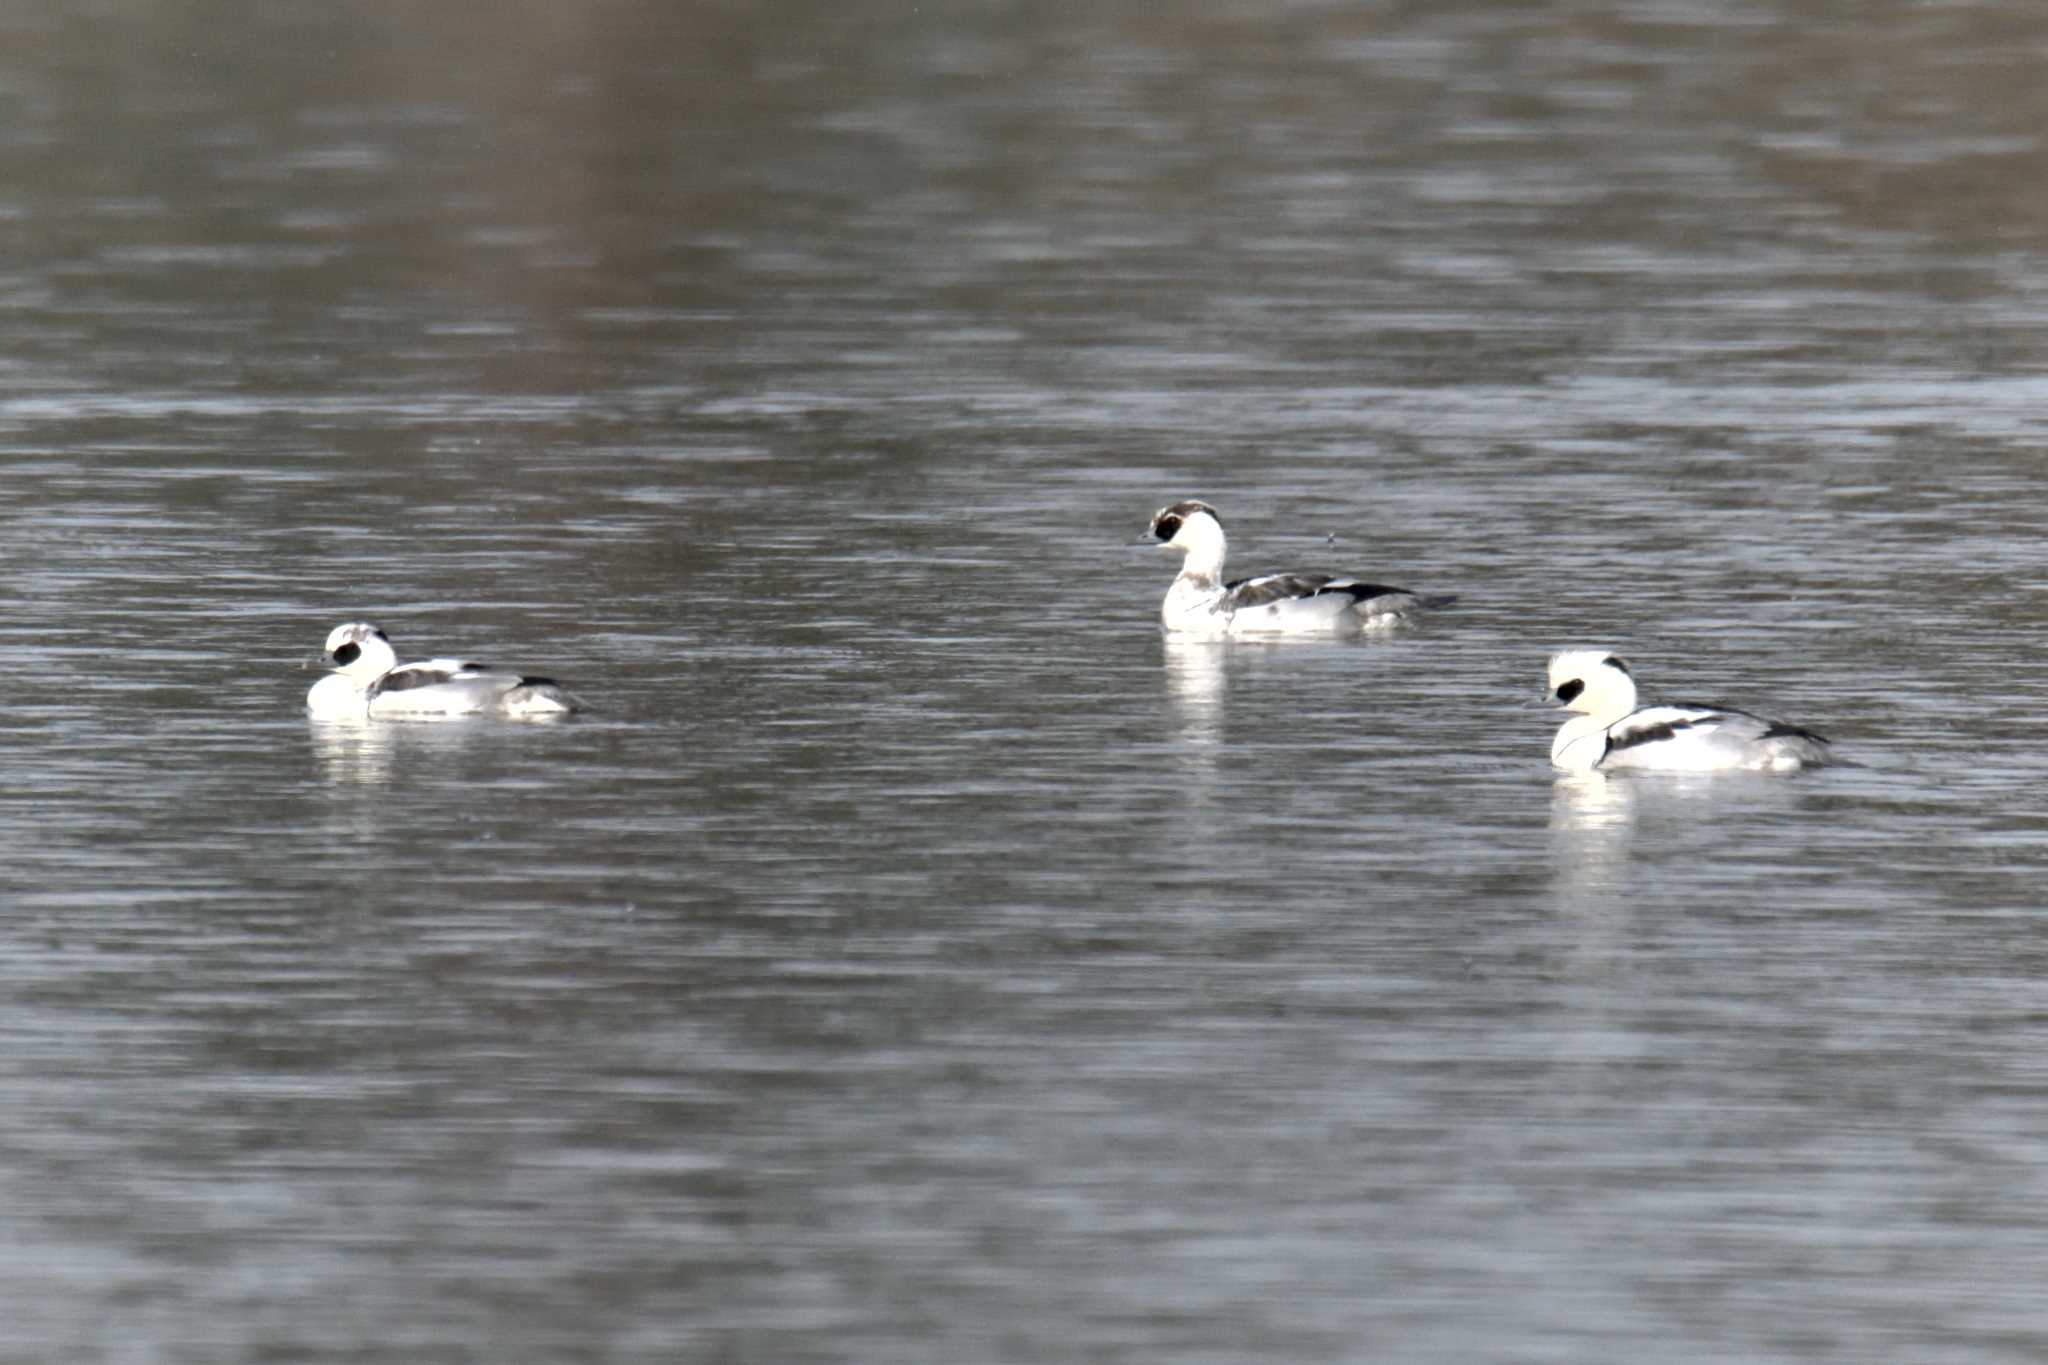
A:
[348,654]
[1570,690]
[1166,528]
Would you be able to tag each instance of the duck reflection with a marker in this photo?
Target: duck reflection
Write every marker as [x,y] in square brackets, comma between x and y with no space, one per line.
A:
[1590,802]
[1592,832]
[1195,686]
[354,750]
[1194,680]
[1592,824]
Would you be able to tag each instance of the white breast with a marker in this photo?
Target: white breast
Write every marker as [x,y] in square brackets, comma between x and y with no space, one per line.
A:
[336,696]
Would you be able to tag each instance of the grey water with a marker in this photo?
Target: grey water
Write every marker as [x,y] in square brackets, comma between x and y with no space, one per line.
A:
[912,956]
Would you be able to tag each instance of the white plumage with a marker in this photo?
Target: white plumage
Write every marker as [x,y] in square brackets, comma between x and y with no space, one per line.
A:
[1610,731]
[368,680]
[1201,603]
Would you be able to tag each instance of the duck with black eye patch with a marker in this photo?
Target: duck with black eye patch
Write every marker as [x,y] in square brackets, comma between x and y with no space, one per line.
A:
[1201,603]
[1611,732]
[368,681]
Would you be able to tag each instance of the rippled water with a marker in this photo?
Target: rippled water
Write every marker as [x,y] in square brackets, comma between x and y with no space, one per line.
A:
[912,956]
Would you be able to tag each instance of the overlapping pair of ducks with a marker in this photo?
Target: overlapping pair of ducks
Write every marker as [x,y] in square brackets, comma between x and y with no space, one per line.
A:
[1609,730]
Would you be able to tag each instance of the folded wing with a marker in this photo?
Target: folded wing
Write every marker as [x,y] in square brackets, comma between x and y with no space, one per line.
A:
[1283,587]
[1685,735]
[458,687]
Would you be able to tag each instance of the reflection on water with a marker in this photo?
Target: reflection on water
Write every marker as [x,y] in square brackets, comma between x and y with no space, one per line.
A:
[1591,818]
[1590,803]
[1195,682]
[1595,883]
[1196,686]
[354,751]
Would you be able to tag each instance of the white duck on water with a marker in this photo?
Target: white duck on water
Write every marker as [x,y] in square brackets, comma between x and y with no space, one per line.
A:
[1201,603]
[368,680]
[1610,731]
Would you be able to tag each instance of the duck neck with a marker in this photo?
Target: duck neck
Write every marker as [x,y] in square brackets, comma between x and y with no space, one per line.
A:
[1203,562]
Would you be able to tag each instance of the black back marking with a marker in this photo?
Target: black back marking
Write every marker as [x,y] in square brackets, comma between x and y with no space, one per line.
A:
[406,679]
[1652,734]
[1365,592]
[1779,730]
[1260,589]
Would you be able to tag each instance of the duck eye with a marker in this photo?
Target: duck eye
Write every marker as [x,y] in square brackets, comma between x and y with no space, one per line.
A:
[1166,528]
[1571,690]
[348,654]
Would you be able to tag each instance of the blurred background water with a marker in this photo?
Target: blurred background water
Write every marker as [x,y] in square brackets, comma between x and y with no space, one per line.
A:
[912,956]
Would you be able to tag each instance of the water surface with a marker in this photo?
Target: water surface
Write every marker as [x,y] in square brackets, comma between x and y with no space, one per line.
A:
[912,956]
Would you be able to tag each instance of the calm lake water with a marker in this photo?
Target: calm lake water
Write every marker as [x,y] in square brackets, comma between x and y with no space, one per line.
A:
[912,957]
